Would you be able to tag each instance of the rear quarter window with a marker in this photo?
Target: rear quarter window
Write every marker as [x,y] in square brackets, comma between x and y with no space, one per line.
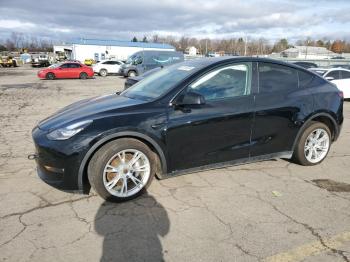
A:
[305,79]
[277,78]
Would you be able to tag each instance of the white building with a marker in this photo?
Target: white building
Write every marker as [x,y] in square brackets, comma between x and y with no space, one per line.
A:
[107,49]
[191,51]
[307,52]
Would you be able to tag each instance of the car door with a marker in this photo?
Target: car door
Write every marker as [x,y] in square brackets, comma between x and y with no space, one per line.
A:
[114,67]
[220,129]
[74,70]
[280,107]
[62,71]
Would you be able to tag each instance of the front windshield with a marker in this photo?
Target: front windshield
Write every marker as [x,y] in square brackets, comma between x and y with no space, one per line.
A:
[319,71]
[130,59]
[159,83]
[55,65]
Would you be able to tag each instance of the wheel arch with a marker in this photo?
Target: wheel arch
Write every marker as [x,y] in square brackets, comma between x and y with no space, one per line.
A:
[322,117]
[83,182]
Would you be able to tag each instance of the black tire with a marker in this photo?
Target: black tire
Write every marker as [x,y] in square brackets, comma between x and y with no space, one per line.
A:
[132,73]
[299,155]
[50,76]
[102,156]
[83,75]
[103,72]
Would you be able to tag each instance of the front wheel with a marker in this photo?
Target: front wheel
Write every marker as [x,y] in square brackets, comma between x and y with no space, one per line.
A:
[50,76]
[122,169]
[103,72]
[132,73]
[313,145]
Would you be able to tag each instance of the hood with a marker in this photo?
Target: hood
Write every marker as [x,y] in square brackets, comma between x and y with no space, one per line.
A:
[86,109]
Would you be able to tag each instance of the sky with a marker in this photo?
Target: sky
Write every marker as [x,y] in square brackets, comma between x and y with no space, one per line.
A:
[66,20]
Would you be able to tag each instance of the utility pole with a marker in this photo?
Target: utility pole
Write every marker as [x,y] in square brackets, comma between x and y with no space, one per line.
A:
[245,45]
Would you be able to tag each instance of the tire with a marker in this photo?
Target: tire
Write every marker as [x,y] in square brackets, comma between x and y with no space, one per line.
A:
[107,155]
[301,152]
[50,76]
[83,75]
[103,72]
[132,73]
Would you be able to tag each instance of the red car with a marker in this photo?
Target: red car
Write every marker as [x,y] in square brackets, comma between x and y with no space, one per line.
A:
[66,70]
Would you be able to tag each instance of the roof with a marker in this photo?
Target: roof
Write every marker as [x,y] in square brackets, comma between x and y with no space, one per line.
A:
[103,42]
[308,49]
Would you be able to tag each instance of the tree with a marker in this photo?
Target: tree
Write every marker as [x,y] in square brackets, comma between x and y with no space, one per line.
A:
[145,39]
[2,48]
[134,39]
[338,47]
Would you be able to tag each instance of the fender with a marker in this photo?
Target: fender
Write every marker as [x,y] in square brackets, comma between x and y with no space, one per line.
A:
[114,136]
[329,116]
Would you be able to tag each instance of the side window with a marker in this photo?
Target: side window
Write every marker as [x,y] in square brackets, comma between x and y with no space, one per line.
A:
[304,79]
[65,66]
[345,75]
[106,63]
[74,65]
[225,82]
[276,78]
[335,74]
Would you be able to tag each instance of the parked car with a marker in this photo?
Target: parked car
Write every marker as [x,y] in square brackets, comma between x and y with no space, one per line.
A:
[306,64]
[133,80]
[40,60]
[339,76]
[144,61]
[8,61]
[105,67]
[341,66]
[195,115]
[66,70]
[89,62]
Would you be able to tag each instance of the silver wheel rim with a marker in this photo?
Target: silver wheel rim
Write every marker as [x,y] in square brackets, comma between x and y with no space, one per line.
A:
[126,173]
[103,73]
[316,145]
[132,74]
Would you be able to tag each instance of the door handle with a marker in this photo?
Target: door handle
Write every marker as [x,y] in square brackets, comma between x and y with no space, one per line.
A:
[158,125]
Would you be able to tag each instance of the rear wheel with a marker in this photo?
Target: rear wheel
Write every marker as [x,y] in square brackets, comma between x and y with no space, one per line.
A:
[50,76]
[83,75]
[103,72]
[313,145]
[122,169]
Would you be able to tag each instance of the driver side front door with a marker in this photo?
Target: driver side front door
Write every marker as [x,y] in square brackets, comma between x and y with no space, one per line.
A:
[219,130]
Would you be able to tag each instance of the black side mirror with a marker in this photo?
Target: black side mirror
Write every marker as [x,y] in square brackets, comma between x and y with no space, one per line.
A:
[191,98]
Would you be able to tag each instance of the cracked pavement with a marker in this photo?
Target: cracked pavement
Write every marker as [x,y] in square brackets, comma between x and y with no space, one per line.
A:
[266,211]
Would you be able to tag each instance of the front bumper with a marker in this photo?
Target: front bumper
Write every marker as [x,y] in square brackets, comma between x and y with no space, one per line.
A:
[57,163]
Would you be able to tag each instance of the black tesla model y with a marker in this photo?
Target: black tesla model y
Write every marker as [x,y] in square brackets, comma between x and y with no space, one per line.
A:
[190,116]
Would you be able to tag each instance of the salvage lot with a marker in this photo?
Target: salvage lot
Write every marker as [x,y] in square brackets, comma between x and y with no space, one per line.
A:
[270,211]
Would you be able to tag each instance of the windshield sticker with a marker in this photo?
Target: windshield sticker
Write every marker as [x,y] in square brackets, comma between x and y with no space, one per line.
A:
[185,68]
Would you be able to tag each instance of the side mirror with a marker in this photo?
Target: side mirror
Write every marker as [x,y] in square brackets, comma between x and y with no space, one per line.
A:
[191,98]
[329,78]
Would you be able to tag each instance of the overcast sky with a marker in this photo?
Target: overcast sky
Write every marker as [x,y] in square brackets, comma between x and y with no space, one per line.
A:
[115,19]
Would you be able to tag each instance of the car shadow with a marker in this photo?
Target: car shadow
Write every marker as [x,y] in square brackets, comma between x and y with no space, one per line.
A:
[132,230]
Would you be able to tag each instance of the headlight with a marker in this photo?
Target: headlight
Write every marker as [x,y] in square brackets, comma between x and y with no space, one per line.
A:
[68,131]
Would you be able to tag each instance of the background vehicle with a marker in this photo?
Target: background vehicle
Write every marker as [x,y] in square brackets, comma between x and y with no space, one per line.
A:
[105,67]
[341,66]
[306,64]
[66,70]
[198,114]
[339,76]
[133,80]
[40,60]
[8,61]
[89,62]
[143,61]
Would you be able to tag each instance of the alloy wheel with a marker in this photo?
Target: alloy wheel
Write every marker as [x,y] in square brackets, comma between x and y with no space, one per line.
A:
[126,173]
[316,145]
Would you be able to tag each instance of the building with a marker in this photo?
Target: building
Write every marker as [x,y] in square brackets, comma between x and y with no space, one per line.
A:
[307,52]
[191,51]
[107,49]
